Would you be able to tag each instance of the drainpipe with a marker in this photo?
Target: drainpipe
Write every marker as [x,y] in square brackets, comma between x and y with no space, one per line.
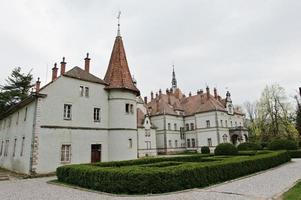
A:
[165,132]
[33,135]
[217,127]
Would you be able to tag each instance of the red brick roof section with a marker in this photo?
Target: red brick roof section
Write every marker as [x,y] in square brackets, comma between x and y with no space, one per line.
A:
[118,75]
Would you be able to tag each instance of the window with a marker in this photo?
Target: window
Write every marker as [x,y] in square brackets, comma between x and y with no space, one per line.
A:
[187,127]
[175,126]
[176,143]
[81,91]
[188,143]
[25,115]
[14,150]
[168,125]
[6,147]
[1,150]
[225,138]
[66,153]
[67,111]
[191,126]
[130,143]
[182,133]
[226,123]
[193,142]
[22,146]
[86,92]
[127,108]
[169,143]
[147,133]
[235,124]
[148,144]
[132,108]
[96,114]
[208,123]
[209,142]
[231,124]
[222,123]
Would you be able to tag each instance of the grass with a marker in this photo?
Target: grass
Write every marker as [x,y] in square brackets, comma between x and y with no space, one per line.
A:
[294,193]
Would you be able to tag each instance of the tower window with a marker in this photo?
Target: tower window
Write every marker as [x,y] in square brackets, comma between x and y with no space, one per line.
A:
[96,114]
[187,127]
[66,153]
[168,125]
[130,143]
[208,123]
[192,126]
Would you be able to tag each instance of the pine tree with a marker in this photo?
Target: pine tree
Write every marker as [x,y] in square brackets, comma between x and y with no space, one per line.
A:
[16,89]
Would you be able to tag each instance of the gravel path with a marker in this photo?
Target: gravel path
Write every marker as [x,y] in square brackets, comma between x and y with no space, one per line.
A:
[261,186]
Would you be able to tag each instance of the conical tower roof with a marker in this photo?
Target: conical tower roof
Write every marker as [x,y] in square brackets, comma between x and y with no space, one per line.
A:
[118,75]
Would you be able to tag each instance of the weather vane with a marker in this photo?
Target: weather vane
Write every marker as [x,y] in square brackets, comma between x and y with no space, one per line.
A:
[118,17]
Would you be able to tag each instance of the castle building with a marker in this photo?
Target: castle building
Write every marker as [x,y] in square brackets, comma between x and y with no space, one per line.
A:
[188,123]
[81,118]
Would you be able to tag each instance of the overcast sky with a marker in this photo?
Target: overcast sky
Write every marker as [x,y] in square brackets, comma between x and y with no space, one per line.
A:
[239,45]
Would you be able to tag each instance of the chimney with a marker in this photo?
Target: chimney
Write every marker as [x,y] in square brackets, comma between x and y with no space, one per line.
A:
[198,92]
[38,84]
[167,91]
[152,95]
[156,95]
[189,94]
[160,92]
[87,63]
[63,66]
[215,93]
[54,72]
[208,92]
[145,100]
[201,91]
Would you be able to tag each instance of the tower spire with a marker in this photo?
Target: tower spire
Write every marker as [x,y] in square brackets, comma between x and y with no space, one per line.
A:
[174,80]
[118,18]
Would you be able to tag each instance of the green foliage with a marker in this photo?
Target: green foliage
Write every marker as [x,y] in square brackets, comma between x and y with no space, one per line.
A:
[205,150]
[295,153]
[225,149]
[167,177]
[247,146]
[283,144]
[16,89]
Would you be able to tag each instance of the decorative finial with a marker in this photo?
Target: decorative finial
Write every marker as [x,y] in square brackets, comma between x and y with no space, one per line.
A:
[87,55]
[118,17]
[63,59]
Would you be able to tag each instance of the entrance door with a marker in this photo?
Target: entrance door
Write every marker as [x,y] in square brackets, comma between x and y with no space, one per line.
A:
[95,153]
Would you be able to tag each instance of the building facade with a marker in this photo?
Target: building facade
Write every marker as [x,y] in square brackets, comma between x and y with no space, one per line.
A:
[81,118]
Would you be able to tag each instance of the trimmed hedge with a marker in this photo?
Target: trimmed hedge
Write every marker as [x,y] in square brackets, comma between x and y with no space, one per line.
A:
[205,150]
[247,146]
[225,149]
[142,180]
[295,153]
[283,144]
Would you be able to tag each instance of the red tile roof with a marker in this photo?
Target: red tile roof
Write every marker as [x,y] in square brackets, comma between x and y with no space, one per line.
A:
[118,75]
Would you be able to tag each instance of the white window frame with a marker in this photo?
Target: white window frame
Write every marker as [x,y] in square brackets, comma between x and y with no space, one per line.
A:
[67,111]
[81,91]
[209,140]
[96,114]
[87,92]
[22,146]
[66,153]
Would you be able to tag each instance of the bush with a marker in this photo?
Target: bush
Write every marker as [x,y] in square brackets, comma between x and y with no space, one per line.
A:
[138,180]
[247,146]
[225,149]
[205,150]
[295,153]
[283,144]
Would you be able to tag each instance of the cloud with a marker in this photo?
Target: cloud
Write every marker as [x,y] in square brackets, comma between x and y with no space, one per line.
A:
[239,45]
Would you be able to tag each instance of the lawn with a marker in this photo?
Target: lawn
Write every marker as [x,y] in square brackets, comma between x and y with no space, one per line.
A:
[294,193]
[167,174]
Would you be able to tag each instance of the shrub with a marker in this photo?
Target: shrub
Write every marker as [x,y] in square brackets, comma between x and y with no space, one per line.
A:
[138,180]
[283,144]
[225,149]
[205,150]
[247,146]
[295,153]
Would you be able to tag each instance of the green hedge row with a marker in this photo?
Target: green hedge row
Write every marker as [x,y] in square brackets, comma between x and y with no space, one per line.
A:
[142,161]
[156,179]
[295,153]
